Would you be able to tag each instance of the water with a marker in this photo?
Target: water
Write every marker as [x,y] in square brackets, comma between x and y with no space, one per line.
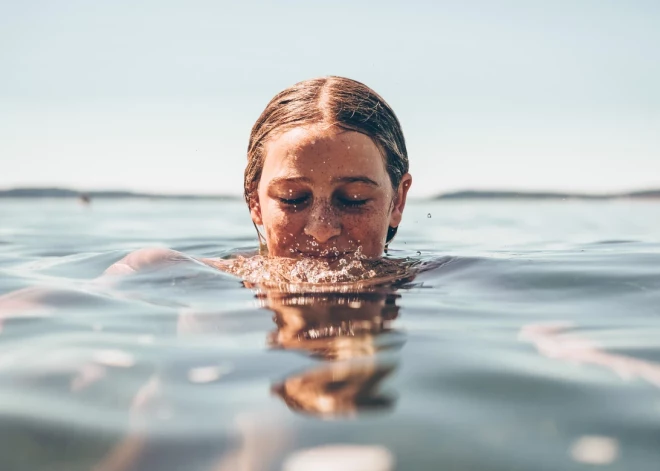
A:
[531,341]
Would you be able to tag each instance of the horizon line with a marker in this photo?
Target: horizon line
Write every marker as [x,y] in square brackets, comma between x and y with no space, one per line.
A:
[68,192]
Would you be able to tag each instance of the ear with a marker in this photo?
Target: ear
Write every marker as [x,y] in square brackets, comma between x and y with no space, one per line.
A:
[400,200]
[255,209]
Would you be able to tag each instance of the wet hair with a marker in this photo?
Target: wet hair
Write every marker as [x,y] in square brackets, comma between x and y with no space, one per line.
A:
[335,101]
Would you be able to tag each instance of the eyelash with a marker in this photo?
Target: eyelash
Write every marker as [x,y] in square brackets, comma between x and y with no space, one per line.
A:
[350,203]
[293,202]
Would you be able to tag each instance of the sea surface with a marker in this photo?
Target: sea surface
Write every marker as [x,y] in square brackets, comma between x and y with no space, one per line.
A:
[530,341]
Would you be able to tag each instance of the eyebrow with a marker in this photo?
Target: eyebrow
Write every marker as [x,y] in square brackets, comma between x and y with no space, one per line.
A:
[356,179]
[352,179]
[278,180]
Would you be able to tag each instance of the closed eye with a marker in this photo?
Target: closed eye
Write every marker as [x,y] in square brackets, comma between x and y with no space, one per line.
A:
[352,203]
[293,201]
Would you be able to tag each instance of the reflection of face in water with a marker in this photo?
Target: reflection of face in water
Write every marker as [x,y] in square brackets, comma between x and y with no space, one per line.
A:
[347,329]
[333,326]
[337,389]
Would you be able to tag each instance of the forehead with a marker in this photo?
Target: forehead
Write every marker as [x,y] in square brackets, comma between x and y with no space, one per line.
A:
[316,151]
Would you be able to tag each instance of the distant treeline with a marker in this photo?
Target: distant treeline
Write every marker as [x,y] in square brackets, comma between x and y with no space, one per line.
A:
[473,194]
[458,195]
[66,193]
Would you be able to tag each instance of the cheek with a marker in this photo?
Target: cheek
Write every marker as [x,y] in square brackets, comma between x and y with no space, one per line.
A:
[282,227]
[369,229]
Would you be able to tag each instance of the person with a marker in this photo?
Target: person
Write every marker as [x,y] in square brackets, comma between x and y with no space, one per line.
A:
[326,181]
[327,177]
[327,171]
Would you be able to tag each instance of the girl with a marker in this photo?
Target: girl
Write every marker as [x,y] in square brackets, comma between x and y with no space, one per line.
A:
[327,177]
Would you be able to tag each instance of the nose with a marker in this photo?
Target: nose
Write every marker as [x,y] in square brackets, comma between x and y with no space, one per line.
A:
[323,223]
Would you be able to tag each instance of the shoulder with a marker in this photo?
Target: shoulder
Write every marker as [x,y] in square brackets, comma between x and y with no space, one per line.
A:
[147,258]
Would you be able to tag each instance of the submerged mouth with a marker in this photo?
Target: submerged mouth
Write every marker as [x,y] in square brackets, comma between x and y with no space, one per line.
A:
[327,254]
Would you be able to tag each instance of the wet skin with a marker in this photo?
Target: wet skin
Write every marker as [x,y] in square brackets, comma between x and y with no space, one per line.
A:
[324,192]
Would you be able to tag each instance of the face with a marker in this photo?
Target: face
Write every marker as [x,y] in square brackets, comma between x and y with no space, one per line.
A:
[324,192]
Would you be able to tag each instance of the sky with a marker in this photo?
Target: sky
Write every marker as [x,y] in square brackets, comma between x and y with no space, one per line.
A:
[160,96]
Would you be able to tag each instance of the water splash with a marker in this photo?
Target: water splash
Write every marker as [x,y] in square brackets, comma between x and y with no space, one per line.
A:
[345,273]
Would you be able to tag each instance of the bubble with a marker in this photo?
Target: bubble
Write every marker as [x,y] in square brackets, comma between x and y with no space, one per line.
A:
[428,215]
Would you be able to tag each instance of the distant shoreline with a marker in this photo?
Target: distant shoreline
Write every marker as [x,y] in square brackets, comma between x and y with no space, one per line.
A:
[539,195]
[27,193]
[103,194]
